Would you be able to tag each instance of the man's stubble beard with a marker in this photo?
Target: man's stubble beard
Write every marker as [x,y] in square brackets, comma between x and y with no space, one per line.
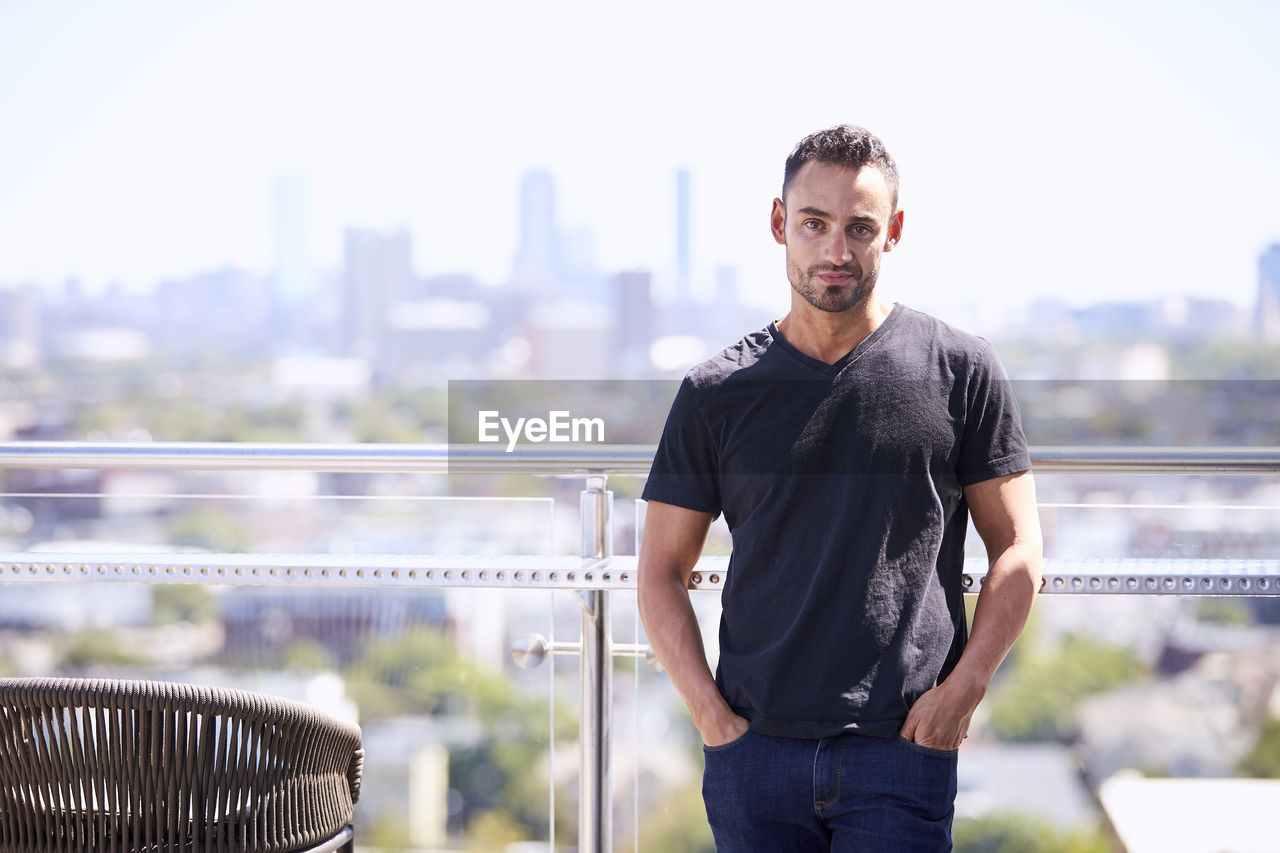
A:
[823,296]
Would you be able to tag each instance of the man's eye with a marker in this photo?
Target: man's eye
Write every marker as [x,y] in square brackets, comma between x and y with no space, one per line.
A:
[812,224]
[860,230]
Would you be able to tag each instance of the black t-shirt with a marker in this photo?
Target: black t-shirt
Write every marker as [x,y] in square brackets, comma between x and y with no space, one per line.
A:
[842,485]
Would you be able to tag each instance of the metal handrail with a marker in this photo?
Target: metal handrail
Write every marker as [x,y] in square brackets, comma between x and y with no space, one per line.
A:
[596,461]
[541,459]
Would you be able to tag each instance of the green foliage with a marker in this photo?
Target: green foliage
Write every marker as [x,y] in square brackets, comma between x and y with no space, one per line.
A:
[502,774]
[492,830]
[397,417]
[307,654]
[1038,698]
[387,832]
[96,647]
[1264,759]
[180,602]
[1010,832]
[1223,611]
[213,529]
[677,823]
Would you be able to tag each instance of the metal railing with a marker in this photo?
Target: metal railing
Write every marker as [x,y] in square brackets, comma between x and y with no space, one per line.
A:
[596,571]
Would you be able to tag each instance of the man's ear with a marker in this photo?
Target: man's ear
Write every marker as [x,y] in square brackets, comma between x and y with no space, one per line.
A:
[895,231]
[778,221]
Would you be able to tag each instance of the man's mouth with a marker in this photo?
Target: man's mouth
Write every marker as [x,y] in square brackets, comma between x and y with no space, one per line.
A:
[835,276]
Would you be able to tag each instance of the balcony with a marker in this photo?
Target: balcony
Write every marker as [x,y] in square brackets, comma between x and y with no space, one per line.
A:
[389,583]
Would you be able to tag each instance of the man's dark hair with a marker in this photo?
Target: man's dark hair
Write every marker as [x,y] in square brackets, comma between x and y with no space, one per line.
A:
[843,145]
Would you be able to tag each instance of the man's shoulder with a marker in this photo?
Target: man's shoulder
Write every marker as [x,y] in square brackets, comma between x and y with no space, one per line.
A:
[946,335]
[737,359]
[925,330]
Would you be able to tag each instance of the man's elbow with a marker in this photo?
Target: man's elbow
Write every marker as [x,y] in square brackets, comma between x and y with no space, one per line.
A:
[1028,562]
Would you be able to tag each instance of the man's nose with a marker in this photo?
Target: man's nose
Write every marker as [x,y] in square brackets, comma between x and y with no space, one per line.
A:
[838,248]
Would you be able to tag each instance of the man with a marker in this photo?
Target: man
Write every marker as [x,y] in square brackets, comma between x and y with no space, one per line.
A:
[846,445]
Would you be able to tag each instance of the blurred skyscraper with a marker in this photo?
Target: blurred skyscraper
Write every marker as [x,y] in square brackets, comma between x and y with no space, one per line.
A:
[290,206]
[377,273]
[684,263]
[1267,312]
[536,261]
[20,326]
[552,260]
[633,314]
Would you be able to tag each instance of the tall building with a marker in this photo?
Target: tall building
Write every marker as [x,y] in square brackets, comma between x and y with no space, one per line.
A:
[633,315]
[1267,312]
[377,273]
[536,260]
[684,239]
[20,326]
[290,206]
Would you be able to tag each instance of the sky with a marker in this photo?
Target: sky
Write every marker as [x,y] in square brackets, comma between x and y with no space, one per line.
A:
[1084,151]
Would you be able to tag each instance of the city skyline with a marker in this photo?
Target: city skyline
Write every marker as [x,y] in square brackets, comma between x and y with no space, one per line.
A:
[1084,151]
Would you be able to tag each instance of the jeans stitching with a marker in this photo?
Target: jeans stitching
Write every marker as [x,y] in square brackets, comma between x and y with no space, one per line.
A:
[820,805]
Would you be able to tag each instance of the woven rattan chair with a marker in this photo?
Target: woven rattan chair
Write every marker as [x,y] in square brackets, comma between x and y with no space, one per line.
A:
[149,766]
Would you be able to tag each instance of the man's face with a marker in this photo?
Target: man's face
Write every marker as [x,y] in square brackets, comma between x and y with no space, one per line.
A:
[835,223]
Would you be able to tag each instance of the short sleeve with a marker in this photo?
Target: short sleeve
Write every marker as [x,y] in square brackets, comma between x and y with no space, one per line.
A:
[993,444]
[685,468]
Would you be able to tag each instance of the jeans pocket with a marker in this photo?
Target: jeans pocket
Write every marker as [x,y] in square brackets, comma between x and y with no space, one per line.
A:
[928,750]
[723,746]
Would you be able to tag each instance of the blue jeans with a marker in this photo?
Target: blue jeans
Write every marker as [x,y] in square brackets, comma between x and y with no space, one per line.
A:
[845,793]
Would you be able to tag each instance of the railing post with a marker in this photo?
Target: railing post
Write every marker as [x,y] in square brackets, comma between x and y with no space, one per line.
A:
[595,833]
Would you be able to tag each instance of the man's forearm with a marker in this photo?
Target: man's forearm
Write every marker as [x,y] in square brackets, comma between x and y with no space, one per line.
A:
[672,628]
[1004,604]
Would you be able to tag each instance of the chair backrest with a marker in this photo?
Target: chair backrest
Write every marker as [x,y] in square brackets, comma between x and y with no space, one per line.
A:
[106,765]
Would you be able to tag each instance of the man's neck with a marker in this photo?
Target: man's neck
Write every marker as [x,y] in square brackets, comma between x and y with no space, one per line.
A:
[827,336]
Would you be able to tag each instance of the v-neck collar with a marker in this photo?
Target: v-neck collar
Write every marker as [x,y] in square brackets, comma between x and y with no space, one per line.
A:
[848,358]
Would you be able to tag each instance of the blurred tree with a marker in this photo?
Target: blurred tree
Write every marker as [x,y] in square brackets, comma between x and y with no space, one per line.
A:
[1264,759]
[212,529]
[94,647]
[677,823]
[1037,698]
[180,602]
[1223,611]
[307,654]
[1010,832]
[422,672]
